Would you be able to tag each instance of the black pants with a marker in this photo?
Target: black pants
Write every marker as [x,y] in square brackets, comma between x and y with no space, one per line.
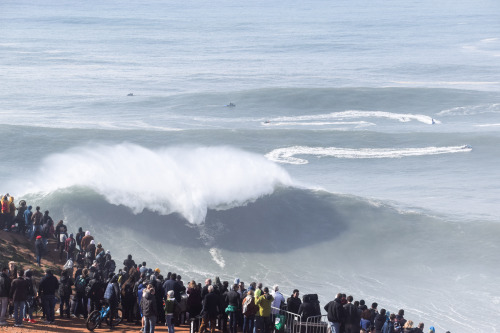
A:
[64,307]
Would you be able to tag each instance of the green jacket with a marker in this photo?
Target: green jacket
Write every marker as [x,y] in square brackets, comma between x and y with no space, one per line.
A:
[264,302]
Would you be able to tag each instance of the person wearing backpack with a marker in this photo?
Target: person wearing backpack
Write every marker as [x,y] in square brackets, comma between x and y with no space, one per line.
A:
[81,283]
[65,284]
[249,309]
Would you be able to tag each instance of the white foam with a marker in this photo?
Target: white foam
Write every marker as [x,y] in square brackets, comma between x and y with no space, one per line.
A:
[355,114]
[185,180]
[320,123]
[217,257]
[471,110]
[287,155]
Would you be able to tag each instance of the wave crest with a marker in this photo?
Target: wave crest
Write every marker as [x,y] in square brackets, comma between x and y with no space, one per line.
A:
[183,180]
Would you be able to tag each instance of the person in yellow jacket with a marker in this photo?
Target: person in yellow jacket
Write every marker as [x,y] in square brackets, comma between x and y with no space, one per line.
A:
[263,321]
[5,217]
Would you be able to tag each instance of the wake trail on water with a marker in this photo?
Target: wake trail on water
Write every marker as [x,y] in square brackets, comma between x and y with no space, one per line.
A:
[288,155]
[184,180]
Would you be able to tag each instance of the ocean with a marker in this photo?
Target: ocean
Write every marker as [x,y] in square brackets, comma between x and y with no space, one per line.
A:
[361,154]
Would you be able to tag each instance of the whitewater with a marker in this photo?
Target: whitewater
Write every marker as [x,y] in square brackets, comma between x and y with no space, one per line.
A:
[361,154]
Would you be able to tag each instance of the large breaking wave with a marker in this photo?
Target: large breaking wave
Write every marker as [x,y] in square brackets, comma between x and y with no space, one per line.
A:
[183,180]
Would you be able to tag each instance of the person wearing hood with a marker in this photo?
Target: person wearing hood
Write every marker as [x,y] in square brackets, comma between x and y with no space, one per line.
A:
[39,249]
[30,297]
[85,242]
[264,302]
[171,306]
[109,265]
[335,312]
[389,325]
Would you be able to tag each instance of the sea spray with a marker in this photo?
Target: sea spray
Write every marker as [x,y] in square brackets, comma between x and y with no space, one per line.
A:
[184,180]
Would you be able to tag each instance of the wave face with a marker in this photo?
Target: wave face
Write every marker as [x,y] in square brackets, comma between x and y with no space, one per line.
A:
[184,180]
[342,242]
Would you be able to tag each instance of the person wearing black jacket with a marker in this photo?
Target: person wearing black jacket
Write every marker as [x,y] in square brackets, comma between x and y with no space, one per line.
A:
[149,308]
[65,284]
[309,307]
[335,312]
[4,294]
[48,287]
[128,263]
[352,316]
[18,294]
[293,302]
[79,237]
[379,321]
[233,300]
[210,310]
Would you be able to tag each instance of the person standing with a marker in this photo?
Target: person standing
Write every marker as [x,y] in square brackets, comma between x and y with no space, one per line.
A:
[335,312]
[30,299]
[210,310]
[149,309]
[170,308]
[293,302]
[249,309]
[233,302]
[263,321]
[36,218]
[112,297]
[48,287]
[19,294]
[4,295]
[65,284]
[39,249]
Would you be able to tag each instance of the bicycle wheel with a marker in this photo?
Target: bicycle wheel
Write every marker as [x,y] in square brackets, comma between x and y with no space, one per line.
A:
[93,320]
[117,318]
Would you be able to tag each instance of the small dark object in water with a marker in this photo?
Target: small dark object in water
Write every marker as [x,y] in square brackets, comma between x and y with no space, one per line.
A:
[231,105]
[131,94]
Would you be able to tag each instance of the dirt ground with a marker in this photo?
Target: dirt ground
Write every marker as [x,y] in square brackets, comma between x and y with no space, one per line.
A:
[78,325]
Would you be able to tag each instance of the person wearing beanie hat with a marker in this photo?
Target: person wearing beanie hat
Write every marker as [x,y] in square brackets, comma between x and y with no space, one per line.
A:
[432,329]
[39,249]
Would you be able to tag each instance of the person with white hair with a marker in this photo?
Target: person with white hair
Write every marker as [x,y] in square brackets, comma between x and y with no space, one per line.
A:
[279,299]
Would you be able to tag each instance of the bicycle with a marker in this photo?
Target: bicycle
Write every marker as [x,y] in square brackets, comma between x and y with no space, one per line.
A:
[98,316]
